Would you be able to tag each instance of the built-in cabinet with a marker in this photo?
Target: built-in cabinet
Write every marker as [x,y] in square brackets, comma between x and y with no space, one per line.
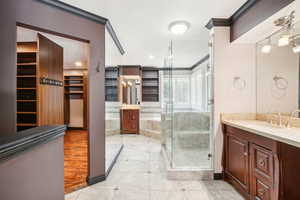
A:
[39,83]
[260,168]
[111,84]
[130,121]
[150,84]
[75,104]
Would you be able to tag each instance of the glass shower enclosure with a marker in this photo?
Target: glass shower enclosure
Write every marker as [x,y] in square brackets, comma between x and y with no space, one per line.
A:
[187,115]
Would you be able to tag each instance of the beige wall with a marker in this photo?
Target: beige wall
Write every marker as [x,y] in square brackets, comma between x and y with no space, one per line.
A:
[280,62]
[229,61]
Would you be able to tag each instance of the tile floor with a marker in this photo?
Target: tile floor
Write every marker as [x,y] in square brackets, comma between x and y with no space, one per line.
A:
[139,175]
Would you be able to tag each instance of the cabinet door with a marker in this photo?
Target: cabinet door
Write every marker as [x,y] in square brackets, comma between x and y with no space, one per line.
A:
[262,191]
[237,161]
[262,173]
[126,120]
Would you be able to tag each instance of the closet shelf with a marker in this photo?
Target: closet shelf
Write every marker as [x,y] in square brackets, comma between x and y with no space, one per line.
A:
[73,79]
[26,124]
[26,76]
[26,88]
[74,85]
[26,112]
[74,92]
[26,100]
[26,64]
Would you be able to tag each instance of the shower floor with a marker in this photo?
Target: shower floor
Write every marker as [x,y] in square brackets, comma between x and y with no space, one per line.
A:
[191,158]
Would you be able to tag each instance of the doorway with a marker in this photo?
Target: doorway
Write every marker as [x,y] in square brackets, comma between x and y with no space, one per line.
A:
[52,88]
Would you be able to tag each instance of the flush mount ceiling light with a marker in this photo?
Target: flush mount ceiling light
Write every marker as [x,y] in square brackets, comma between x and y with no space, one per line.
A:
[179,27]
[267,47]
[151,57]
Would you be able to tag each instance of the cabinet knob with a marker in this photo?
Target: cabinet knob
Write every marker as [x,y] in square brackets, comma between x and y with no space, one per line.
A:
[245,153]
[262,162]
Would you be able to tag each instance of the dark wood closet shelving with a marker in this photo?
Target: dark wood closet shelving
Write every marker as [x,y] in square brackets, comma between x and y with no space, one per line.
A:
[111,84]
[27,85]
[76,88]
[74,85]
[38,103]
[150,84]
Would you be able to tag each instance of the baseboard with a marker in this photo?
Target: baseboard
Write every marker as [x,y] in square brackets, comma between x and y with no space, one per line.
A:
[218,176]
[114,161]
[96,179]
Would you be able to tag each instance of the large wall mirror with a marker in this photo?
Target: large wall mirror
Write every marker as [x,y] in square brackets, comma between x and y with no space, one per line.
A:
[278,72]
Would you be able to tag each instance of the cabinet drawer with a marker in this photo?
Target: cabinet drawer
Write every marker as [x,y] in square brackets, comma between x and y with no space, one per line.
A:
[262,191]
[262,160]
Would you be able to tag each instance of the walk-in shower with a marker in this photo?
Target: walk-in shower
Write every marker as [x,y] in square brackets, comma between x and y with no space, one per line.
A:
[187,103]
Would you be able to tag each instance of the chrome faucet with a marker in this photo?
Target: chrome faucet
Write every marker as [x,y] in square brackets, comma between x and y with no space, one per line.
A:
[288,125]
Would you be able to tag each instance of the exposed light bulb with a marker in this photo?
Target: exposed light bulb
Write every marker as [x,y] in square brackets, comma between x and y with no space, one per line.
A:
[78,64]
[266,48]
[296,49]
[284,40]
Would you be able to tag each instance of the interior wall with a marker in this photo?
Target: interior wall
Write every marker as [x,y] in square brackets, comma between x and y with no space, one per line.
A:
[282,62]
[229,61]
[44,16]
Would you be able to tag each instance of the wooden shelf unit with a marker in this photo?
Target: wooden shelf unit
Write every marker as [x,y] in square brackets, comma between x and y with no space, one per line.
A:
[75,87]
[27,85]
[39,103]
[150,84]
[111,84]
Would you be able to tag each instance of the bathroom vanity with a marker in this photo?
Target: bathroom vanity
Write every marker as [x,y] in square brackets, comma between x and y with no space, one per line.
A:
[260,160]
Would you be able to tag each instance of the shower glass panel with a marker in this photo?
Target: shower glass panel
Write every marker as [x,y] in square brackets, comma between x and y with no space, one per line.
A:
[167,114]
[188,104]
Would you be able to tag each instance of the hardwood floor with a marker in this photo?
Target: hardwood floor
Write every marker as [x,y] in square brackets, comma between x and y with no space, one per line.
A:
[76,159]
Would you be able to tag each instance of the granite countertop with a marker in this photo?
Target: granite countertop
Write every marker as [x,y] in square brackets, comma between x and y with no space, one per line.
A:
[289,136]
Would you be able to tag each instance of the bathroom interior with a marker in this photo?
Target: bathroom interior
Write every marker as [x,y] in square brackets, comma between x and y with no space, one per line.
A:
[177,105]
[212,113]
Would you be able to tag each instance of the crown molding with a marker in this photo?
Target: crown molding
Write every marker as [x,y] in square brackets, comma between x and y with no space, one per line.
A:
[87,15]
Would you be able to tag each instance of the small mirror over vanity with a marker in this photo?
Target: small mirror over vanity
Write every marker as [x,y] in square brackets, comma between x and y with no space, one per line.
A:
[130,92]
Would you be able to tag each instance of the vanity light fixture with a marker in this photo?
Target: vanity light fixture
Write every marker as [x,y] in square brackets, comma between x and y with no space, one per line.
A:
[179,27]
[296,43]
[284,40]
[286,23]
[124,83]
[267,47]
[78,64]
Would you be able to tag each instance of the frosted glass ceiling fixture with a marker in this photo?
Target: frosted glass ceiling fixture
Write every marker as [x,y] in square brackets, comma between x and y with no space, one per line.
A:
[179,27]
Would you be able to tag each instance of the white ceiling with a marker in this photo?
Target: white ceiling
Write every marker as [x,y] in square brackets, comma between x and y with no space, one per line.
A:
[142,27]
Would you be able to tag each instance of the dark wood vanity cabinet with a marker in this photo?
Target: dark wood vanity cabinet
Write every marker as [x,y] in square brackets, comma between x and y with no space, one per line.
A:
[237,161]
[130,119]
[260,168]
[251,164]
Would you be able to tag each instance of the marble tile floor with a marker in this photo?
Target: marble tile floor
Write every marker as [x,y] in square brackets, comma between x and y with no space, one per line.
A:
[139,175]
